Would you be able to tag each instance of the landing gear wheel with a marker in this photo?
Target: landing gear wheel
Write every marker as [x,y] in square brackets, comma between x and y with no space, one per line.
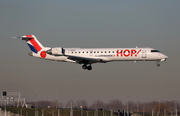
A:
[89,68]
[84,67]
[158,65]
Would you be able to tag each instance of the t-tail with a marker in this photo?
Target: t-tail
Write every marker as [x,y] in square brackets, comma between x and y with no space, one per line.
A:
[35,46]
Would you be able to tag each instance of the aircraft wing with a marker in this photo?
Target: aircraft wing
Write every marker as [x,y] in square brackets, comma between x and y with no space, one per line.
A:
[82,59]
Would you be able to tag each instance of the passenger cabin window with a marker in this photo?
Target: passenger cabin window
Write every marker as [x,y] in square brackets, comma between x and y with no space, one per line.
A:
[101,51]
[97,51]
[109,51]
[155,51]
[87,52]
[94,51]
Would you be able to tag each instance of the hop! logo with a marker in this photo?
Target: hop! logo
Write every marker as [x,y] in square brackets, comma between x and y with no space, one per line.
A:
[127,53]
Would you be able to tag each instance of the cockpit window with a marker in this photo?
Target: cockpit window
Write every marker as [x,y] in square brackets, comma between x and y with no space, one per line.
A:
[155,51]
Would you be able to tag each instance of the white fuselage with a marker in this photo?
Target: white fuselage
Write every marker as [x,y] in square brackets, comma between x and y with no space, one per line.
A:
[108,54]
[88,56]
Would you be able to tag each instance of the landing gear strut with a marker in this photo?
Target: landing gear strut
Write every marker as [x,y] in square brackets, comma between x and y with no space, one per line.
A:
[158,63]
[87,67]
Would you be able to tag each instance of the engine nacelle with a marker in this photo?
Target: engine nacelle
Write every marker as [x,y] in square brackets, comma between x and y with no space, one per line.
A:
[56,51]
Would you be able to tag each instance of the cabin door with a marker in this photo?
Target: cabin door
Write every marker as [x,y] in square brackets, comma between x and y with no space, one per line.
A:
[144,54]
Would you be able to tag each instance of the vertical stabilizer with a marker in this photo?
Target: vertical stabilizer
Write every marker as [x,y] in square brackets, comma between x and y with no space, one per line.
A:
[33,43]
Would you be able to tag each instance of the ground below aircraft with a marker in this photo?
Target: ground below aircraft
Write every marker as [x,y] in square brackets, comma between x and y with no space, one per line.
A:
[88,56]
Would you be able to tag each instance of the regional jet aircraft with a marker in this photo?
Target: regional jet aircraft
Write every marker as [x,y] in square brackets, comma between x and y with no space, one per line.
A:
[88,56]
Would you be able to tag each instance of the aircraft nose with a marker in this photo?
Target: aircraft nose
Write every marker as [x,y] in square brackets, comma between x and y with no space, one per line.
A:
[166,57]
[163,57]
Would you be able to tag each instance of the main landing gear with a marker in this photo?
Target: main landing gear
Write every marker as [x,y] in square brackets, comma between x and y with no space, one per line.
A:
[158,63]
[87,67]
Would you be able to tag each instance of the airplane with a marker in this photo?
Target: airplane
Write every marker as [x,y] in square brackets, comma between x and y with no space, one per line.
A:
[88,56]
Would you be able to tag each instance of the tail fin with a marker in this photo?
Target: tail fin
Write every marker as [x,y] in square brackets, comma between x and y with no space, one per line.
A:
[32,42]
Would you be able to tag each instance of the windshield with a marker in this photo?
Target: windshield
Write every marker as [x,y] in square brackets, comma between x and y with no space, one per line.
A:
[155,51]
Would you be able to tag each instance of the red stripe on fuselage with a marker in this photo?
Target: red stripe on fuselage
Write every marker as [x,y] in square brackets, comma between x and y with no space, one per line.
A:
[34,43]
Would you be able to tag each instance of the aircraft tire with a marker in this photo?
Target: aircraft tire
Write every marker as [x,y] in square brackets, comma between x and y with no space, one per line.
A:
[158,65]
[84,67]
[89,68]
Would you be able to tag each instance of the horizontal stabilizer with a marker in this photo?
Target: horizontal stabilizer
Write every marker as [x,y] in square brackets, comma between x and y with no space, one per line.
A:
[24,38]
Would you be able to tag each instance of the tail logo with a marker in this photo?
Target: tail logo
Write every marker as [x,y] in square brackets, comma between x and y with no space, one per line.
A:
[43,54]
[33,44]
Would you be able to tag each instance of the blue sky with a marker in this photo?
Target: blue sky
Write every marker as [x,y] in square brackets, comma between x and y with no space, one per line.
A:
[95,23]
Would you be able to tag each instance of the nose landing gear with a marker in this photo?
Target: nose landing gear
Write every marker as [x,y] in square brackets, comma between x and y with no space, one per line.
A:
[158,63]
[87,67]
